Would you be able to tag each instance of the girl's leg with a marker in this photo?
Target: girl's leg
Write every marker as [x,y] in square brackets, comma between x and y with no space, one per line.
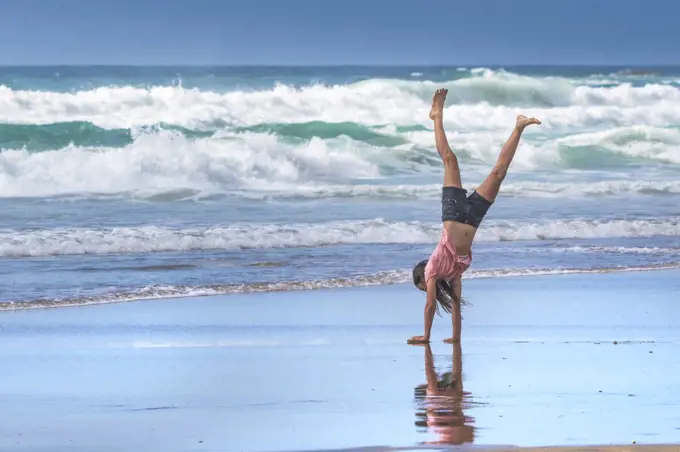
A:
[451,170]
[492,184]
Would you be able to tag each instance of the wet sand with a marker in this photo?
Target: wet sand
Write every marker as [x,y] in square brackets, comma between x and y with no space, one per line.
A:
[545,361]
[619,448]
[631,448]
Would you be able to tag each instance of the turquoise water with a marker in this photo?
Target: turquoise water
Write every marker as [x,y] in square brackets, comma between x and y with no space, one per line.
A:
[138,182]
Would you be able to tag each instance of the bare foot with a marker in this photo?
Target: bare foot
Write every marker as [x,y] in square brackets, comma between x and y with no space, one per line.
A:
[523,121]
[451,340]
[438,103]
[419,340]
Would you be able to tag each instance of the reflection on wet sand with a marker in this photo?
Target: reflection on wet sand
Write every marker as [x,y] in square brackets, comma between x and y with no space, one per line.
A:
[440,402]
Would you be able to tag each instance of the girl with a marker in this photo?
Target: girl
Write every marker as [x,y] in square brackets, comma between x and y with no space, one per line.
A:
[440,275]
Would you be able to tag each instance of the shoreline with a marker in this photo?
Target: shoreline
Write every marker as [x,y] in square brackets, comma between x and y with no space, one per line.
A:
[292,287]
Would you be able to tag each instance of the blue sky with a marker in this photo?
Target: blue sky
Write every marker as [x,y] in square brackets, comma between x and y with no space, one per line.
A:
[322,32]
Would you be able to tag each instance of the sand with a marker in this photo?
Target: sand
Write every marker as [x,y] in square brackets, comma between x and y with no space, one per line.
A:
[545,361]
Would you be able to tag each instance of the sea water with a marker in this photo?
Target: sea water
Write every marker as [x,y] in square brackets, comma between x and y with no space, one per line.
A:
[122,183]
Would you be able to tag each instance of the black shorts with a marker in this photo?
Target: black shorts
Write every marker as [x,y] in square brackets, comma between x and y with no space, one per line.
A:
[458,206]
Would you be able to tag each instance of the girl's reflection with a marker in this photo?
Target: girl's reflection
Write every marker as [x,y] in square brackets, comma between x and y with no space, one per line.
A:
[440,402]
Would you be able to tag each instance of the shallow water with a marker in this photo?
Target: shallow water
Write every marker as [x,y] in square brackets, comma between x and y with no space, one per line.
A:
[566,360]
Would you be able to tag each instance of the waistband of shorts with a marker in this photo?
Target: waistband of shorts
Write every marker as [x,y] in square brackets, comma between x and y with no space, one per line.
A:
[452,189]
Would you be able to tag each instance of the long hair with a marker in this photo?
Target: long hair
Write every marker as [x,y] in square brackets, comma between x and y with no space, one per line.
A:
[445,292]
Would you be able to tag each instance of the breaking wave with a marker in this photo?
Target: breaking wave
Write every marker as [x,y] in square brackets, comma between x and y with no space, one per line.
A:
[373,101]
[145,239]
[291,139]
[162,160]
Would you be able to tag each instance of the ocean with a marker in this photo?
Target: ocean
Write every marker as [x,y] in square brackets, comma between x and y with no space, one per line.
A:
[126,183]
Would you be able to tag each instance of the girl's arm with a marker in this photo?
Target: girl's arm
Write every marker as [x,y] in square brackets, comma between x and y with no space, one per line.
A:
[456,318]
[430,308]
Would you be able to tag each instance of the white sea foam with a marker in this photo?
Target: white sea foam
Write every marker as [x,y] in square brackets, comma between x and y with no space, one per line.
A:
[169,161]
[618,250]
[584,127]
[599,188]
[48,242]
[527,189]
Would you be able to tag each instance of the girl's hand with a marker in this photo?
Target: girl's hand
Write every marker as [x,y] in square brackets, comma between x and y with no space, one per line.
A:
[419,340]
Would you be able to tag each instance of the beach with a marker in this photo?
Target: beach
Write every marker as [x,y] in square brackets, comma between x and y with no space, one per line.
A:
[568,360]
[219,258]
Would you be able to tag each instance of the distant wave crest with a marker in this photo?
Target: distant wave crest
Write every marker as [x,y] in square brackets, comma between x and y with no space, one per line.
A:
[73,241]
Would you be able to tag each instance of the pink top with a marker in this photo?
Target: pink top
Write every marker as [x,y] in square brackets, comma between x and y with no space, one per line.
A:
[445,263]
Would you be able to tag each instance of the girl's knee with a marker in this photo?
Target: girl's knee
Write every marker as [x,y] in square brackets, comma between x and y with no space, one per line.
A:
[499,173]
[450,160]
